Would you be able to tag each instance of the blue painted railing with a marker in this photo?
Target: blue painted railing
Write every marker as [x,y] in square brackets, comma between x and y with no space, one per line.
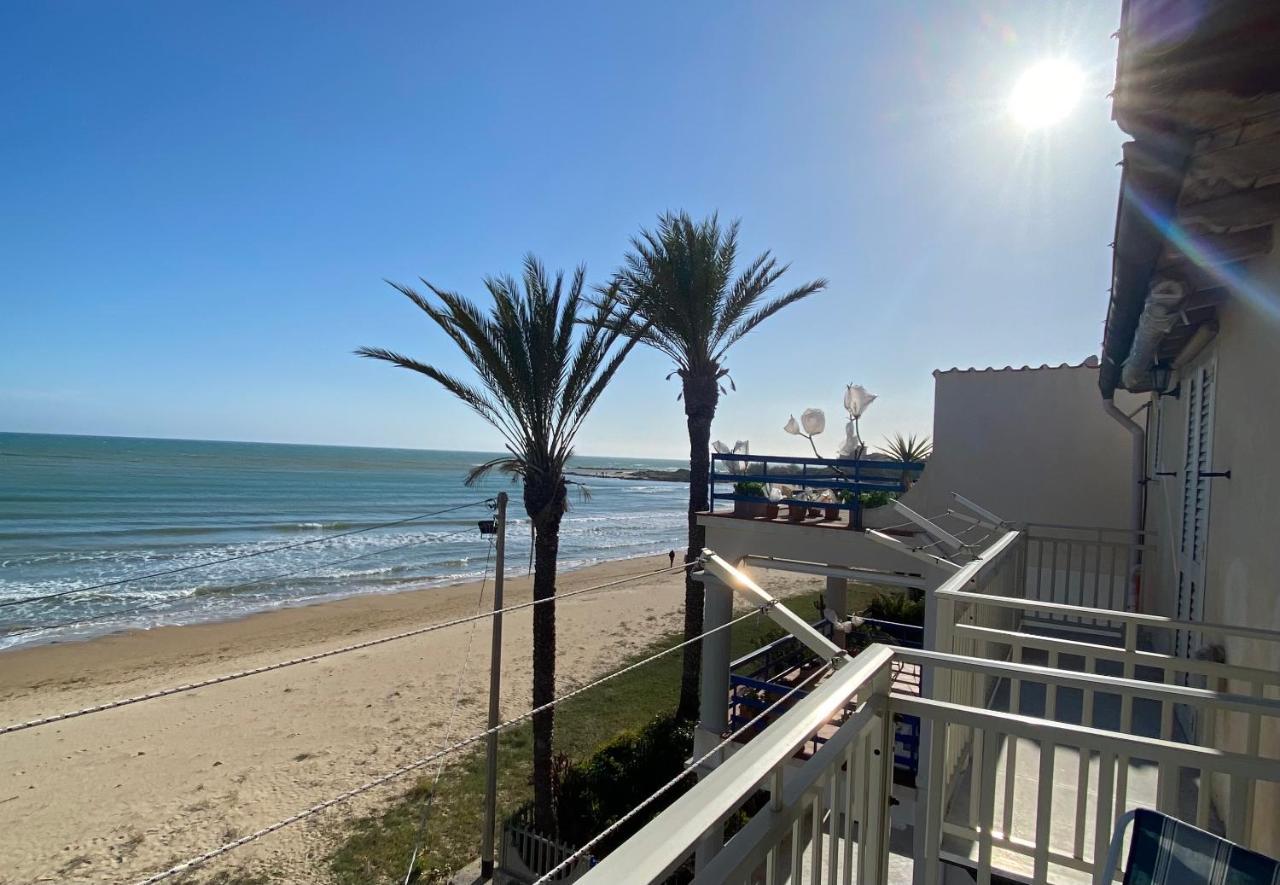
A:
[835,474]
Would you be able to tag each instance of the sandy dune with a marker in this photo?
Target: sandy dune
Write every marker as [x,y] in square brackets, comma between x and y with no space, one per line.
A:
[118,795]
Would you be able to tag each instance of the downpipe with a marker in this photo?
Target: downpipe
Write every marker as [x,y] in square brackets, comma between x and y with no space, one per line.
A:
[1138,473]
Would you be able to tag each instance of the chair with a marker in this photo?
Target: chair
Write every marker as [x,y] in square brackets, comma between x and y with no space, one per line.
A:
[1166,851]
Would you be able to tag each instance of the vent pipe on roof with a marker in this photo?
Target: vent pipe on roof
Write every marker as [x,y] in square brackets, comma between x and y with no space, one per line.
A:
[1158,317]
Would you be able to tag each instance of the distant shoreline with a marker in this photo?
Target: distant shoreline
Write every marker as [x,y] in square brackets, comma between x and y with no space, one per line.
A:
[678,474]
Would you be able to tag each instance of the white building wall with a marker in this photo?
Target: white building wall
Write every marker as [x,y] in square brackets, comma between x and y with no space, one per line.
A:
[1031,445]
[1242,568]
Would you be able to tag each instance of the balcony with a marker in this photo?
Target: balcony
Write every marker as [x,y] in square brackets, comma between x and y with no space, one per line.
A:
[815,491]
[1046,709]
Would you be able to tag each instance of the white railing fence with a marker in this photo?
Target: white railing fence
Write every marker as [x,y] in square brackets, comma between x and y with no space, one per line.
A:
[989,612]
[525,855]
[825,819]
[1081,566]
[1051,757]
[1043,811]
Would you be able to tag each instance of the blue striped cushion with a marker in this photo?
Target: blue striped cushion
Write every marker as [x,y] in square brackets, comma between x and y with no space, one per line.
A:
[1165,851]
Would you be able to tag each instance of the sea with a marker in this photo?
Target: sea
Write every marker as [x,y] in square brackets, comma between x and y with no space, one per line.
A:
[120,533]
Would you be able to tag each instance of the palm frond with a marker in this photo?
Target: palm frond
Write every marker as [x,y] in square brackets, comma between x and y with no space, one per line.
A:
[513,467]
[541,358]
[749,323]
[677,291]
[907,448]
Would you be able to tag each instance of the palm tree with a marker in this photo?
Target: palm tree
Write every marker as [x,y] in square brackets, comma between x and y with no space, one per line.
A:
[677,293]
[537,382]
[907,448]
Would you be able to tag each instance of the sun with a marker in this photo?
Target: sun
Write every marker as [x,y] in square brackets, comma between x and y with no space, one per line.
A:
[1046,93]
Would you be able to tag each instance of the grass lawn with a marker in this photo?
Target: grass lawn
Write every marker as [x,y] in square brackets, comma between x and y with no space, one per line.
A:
[376,848]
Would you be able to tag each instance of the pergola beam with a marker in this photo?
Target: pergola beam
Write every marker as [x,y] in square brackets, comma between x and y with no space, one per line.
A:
[781,615]
[866,576]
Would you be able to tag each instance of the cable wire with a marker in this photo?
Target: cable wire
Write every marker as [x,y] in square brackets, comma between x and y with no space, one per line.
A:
[237,557]
[202,859]
[420,839]
[689,769]
[304,659]
[119,613]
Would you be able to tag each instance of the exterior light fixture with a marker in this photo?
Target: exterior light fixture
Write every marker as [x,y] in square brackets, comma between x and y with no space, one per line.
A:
[1161,375]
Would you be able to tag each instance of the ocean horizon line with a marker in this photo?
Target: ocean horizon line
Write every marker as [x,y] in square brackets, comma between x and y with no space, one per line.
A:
[255,442]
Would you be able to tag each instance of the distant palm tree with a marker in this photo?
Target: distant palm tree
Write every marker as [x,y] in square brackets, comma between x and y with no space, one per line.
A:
[537,382]
[676,292]
[907,448]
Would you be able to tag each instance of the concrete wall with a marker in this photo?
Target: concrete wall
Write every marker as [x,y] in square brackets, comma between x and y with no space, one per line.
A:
[1242,579]
[1031,445]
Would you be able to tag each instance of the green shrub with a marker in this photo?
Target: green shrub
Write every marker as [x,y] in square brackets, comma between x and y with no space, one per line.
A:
[754,489]
[896,607]
[591,795]
[877,499]
[868,499]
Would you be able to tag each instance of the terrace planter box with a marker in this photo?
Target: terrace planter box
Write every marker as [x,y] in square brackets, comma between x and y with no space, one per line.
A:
[751,509]
[876,517]
[880,517]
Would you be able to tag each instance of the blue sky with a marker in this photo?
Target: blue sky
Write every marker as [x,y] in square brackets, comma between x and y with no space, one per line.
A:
[201,201]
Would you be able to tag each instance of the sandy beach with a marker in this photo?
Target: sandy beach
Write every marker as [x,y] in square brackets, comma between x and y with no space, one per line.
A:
[115,796]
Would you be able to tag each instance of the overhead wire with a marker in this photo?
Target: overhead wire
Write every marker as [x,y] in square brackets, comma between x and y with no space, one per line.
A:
[689,769]
[236,558]
[304,659]
[207,856]
[420,839]
[120,613]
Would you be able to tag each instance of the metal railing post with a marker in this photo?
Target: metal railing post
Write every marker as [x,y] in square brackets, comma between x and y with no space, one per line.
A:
[495,686]
[873,852]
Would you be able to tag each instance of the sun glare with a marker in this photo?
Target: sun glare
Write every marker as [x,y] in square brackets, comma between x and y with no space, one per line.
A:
[1045,94]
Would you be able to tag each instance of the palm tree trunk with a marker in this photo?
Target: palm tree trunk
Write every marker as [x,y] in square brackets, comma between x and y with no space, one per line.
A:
[701,394]
[545,508]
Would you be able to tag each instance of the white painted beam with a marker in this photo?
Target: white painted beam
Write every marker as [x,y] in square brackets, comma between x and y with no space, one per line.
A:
[866,576]
[991,520]
[888,541]
[933,529]
[779,613]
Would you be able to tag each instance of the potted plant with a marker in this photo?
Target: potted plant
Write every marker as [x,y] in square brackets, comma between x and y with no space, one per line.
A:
[750,509]
[830,510]
[874,506]
[876,510]
[796,512]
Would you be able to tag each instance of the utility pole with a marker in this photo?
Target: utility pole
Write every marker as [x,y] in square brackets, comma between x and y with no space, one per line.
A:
[495,685]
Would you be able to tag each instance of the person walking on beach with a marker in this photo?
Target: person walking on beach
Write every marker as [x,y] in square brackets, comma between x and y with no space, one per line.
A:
[671,554]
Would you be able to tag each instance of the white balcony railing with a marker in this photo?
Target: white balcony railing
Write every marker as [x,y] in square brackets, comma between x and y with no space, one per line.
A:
[827,820]
[1034,741]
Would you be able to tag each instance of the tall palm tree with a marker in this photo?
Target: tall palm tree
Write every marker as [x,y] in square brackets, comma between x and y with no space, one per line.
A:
[541,362]
[677,293]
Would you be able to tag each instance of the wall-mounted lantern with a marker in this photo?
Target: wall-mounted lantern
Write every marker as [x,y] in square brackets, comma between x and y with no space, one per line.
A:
[1161,375]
